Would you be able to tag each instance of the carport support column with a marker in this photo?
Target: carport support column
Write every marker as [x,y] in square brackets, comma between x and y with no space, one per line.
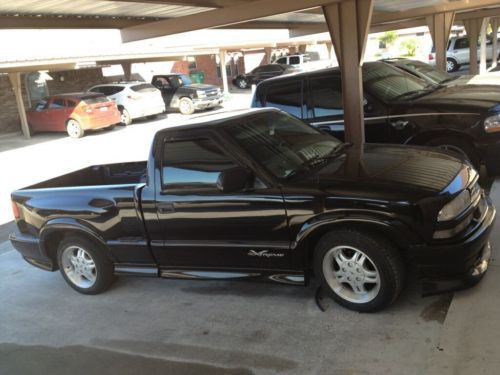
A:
[484,30]
[494,27]
[348,23]
[223,71]
[15,81]
[268,51]
[440,27]
[472,27]
[127,71]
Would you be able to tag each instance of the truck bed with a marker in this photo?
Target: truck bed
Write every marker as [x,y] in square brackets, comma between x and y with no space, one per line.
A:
[97,175]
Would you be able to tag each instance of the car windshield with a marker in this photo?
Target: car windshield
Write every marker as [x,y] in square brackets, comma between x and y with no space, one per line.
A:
[388,83]
[434,75]
[283,144]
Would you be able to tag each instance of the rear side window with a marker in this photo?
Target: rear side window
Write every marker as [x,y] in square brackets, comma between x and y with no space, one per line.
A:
[71,103]
[294,60]
[143,88]
[326,96]
[286,96]
[57,103]
[281,60]
[193,164]
[462,43]
[41,105]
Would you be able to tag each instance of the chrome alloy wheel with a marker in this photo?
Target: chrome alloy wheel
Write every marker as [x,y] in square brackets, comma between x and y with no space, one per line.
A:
[79,267]
[351,274]
[450,66]
[73,128]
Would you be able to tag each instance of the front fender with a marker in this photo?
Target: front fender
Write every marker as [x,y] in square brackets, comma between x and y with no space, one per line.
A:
[61,225]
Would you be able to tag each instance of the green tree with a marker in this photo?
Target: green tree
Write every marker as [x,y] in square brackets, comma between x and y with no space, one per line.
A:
[388,38]
[409,47]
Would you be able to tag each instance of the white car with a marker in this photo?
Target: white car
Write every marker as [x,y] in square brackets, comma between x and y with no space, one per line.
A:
[134,99]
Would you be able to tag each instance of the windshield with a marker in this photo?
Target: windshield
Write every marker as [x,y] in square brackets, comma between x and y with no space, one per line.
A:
[282,144]
[388,83]
[434,75]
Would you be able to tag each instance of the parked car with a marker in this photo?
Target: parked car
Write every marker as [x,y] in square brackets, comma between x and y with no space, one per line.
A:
[259,194]
[304,61]
[134,99]
[73,113]
[399,108]
[262,72]
[458,54]
[179,92]
[436,76]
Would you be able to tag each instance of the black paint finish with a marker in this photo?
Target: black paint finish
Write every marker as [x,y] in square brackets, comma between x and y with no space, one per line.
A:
[268,230]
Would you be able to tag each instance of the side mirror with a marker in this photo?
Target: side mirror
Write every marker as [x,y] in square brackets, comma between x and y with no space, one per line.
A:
[233,180]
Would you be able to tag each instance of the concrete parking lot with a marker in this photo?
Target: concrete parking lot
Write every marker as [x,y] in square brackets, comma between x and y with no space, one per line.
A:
[155,326]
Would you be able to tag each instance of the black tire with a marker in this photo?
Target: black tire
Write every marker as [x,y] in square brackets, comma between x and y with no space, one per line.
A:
[242,83]
[125,117]
[382,256]
[459,147]
[451,65]
[110,127]
[74,129]
[186,106]
[103,269]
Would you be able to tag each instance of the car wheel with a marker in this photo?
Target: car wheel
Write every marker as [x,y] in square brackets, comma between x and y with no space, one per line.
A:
[451,65]
[360,271]
[74,129]
[242,83]
[125,118]
[186,106]
[458,147]
[84,266]
[110,127]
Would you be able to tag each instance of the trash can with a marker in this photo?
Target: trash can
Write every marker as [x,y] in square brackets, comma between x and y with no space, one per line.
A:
[198,77]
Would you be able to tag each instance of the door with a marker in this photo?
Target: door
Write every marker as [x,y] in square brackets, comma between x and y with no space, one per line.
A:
[57,114]
[461,50]
[287,96]
[37,116]
[205,227]
[325,109]
[167,89]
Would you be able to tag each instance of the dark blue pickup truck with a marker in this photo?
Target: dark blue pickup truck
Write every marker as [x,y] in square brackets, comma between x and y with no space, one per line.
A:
[260,194]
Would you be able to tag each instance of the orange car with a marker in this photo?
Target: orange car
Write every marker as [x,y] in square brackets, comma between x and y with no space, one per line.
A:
[73,113]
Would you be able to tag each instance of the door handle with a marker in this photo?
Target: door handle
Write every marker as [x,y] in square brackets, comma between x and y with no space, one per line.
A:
[399,124]
[165,208]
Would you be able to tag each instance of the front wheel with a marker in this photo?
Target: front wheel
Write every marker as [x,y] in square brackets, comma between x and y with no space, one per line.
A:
[125,118]
[186,106]
[360,271]
[451,65]
[74,129]
[456,146]
[84,266]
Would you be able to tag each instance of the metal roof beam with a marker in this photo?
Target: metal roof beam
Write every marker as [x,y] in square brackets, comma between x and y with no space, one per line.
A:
[218,17]
[69,22]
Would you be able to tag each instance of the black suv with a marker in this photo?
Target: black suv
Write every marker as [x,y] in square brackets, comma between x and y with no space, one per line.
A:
[399,108]
[181,93]
[261,73]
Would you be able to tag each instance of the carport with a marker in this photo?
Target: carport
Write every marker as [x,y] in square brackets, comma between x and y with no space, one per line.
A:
[347,21]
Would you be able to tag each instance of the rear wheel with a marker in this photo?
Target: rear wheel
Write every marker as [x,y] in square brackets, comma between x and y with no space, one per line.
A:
[74,129]
[186,106]
[84,266]
[361,272]
[457,146]
[125,118]
[451,65]
[242,83]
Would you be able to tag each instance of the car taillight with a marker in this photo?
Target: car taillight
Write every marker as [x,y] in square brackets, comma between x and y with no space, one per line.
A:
[431,57]
[15,210]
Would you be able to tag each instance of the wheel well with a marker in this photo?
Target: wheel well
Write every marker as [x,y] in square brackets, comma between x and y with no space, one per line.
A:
[120,107]
[313,238]
[53,239]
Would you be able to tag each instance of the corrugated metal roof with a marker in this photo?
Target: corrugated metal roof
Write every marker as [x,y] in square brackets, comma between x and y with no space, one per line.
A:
[96,8]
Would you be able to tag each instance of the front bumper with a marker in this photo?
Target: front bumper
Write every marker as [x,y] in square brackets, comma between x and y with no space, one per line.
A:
[208,102]
[29,247]
[458,263]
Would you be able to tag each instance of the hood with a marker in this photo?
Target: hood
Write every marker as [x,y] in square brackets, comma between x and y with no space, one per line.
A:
[478,97]
[391,173]
[203,86]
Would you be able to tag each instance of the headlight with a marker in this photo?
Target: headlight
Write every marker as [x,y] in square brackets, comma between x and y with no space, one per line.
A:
[455,207]
[492,123]
[201,94]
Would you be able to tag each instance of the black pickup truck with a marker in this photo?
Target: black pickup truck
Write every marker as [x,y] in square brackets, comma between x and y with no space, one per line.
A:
[179,92]
[259,194]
